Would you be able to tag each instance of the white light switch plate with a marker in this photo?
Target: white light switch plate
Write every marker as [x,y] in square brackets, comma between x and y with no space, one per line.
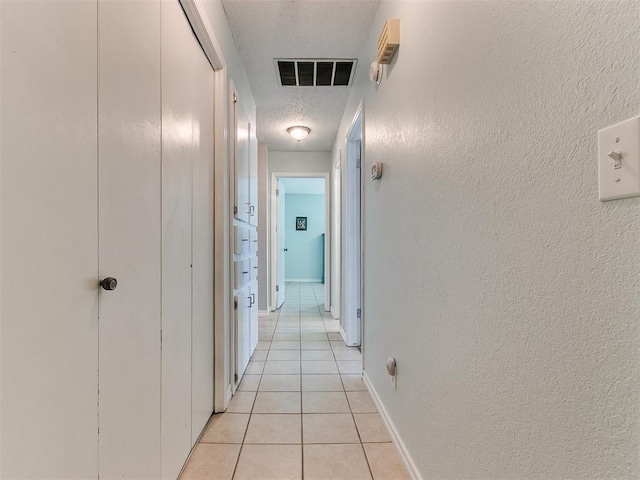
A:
[624,139]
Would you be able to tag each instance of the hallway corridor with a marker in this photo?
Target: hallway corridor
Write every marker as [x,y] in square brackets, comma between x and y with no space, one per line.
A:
[301,410]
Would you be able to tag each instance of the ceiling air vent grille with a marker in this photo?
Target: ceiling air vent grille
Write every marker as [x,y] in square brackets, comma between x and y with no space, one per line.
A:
[315,72]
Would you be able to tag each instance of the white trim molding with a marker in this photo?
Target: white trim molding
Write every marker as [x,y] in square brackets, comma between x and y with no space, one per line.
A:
[201,26]
[273,253]
[391,429]
[352,284]
[223,360]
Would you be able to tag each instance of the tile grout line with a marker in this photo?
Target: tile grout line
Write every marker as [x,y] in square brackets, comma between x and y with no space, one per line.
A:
[244,437]
[353,418]
[327,338]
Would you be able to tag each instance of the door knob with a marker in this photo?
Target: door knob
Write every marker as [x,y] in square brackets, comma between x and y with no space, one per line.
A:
[286,249]
[109,283]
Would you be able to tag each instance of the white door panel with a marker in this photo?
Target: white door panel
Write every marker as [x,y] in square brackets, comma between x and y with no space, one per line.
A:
[242,273]
[92,186]
[48,218]
[129,167]
[177,176]
[242,239]
[203,215]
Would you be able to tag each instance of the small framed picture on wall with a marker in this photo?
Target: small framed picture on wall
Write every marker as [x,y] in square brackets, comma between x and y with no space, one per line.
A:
[301,223]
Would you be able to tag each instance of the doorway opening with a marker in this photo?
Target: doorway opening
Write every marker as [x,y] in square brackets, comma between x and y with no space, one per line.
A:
[300,240]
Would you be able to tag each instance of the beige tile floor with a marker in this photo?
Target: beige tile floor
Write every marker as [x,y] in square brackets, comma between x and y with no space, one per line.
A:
[301,410]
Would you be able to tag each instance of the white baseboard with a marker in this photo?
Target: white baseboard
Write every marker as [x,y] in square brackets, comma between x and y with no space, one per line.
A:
[393,433]
[263,312]
[336,317]
[304,280]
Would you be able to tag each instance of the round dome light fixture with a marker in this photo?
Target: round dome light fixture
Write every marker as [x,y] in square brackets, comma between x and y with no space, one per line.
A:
[298,132]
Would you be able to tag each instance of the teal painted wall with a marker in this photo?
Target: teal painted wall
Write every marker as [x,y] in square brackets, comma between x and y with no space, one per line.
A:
[304,247]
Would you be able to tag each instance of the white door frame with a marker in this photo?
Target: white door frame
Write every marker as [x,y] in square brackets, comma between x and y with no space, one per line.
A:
[336,236]
[273,257]
[352,266]
[280,234]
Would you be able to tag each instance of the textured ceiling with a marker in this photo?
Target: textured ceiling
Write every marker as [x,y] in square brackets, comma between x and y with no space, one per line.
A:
[268,29]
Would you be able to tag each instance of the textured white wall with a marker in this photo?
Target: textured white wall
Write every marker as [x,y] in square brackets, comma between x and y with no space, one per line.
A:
[508,293]
[299,161]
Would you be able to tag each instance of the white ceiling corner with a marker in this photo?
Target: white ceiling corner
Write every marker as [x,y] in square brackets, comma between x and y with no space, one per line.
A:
[268,29]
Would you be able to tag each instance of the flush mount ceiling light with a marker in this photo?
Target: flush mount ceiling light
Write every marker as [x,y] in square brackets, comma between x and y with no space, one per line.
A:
[298,132]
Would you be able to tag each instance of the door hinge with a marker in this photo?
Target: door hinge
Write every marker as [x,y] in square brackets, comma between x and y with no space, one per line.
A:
[235,98]
[235,304]
[358,163]
[277,192]
[358,313]
[235,377]
[277,288]
[235,209]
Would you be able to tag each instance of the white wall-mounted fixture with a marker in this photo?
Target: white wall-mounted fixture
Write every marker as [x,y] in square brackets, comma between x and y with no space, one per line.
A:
[375,72]
[619,160]
[376,171]
[298,132]
[389,41]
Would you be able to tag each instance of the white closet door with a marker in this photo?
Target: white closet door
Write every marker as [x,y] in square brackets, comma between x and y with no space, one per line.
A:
[203,257]
[179,51]
[49,257]
[129,165]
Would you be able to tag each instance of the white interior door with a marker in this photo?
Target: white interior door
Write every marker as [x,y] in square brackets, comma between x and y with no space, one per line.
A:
[203,257]
[83,201]
[48,240]
[129,167]
[351,298]
[179,51]
[281,249]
